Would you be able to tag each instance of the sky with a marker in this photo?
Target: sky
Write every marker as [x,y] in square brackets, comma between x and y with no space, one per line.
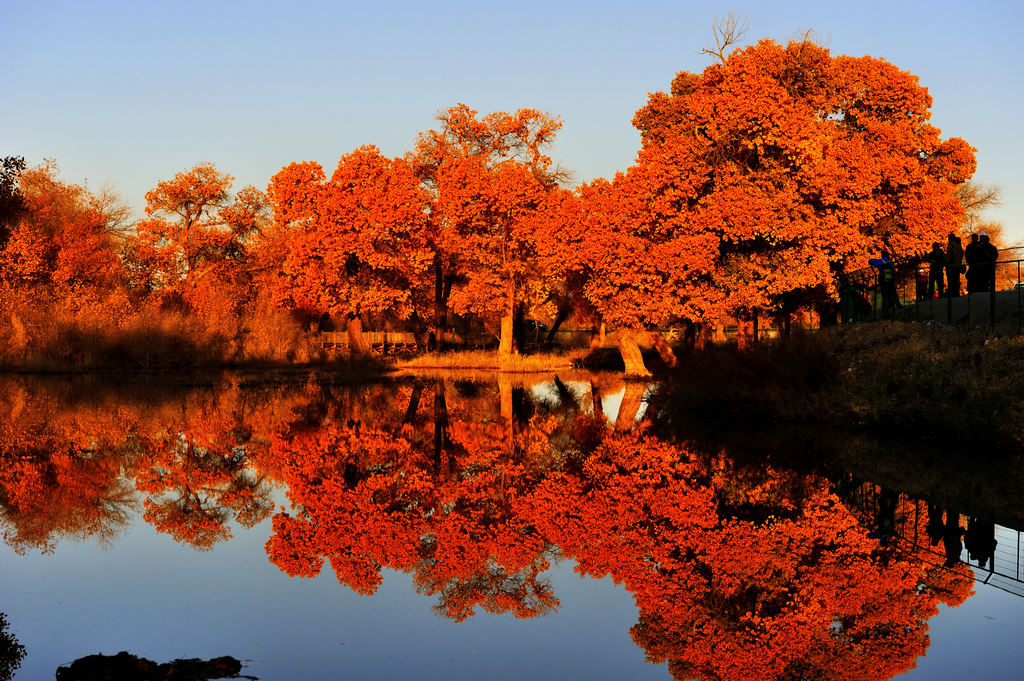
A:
[131,93]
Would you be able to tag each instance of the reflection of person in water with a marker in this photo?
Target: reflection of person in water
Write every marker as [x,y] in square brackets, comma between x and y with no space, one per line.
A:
[885,520]
[981,541]
[951,538]
[936,527]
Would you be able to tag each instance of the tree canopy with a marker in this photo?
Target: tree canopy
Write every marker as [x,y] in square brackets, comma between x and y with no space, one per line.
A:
[765,175]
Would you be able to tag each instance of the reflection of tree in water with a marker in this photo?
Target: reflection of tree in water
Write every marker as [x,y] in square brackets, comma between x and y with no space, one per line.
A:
[198,477]
[67,465]
[739,572]
[60,471]
[424,494]
[11,652]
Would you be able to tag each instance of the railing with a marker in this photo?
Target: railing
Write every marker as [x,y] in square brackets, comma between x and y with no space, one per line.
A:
[862,297]
[406,340]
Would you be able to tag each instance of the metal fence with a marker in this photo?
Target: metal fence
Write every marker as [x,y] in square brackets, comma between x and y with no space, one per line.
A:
[915,298]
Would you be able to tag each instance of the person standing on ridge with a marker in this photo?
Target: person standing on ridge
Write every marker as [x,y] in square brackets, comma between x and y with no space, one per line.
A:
[973,258]
[990,254]
[886,283]
[954,265]
[936,264]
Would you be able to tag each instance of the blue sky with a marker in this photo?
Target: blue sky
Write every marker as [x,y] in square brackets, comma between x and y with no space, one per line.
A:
[131,93]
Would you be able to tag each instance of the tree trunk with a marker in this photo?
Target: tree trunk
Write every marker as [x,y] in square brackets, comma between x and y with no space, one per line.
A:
[563,313]
[506,343]
[745,332]
[784,323]
[719,334]
[597,335]
[697,336]
[440,304]
[357,344]
[420,332]
[632,400]
[19,339]
[442,459]
[663,348]
[414,403]
[519,327]
[630,352]
[505,339]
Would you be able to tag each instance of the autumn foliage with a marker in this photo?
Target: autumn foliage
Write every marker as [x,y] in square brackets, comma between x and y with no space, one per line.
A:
[73,468]
[354,245]
[762,178]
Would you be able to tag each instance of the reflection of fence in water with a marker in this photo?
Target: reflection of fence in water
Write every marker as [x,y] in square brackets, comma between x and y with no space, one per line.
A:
[909,519]
[1002,569]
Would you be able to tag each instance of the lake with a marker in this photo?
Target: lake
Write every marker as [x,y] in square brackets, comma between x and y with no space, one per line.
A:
[438,527]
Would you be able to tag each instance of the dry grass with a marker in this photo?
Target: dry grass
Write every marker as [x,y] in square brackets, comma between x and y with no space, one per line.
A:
[483,360]
[48,337]
[951,383]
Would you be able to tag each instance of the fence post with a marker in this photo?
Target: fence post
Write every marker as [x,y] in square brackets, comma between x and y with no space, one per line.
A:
[992,298]
[874,299]
[917,303]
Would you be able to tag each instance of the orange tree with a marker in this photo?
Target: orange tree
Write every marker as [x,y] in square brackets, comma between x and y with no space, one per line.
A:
[763,177]
[61,238]
[353,245]
[192,248]
[59,265]
[489,179]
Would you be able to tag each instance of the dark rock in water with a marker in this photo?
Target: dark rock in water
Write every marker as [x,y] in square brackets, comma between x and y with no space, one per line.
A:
[127,667]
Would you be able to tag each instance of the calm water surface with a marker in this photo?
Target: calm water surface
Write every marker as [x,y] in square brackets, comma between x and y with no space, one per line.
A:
[453,529]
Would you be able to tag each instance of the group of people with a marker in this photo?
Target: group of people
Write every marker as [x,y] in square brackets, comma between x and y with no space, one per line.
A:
[978,260]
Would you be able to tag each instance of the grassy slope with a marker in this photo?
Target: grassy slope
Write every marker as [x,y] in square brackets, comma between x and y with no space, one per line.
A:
[936,382]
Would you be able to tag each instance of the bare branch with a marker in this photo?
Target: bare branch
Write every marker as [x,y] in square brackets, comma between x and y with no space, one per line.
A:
[728,31]
[975,198]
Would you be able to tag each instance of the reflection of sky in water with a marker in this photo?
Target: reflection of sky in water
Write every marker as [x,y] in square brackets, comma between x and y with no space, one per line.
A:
[978,640]
[610,402]
[163,600]
[156,598]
